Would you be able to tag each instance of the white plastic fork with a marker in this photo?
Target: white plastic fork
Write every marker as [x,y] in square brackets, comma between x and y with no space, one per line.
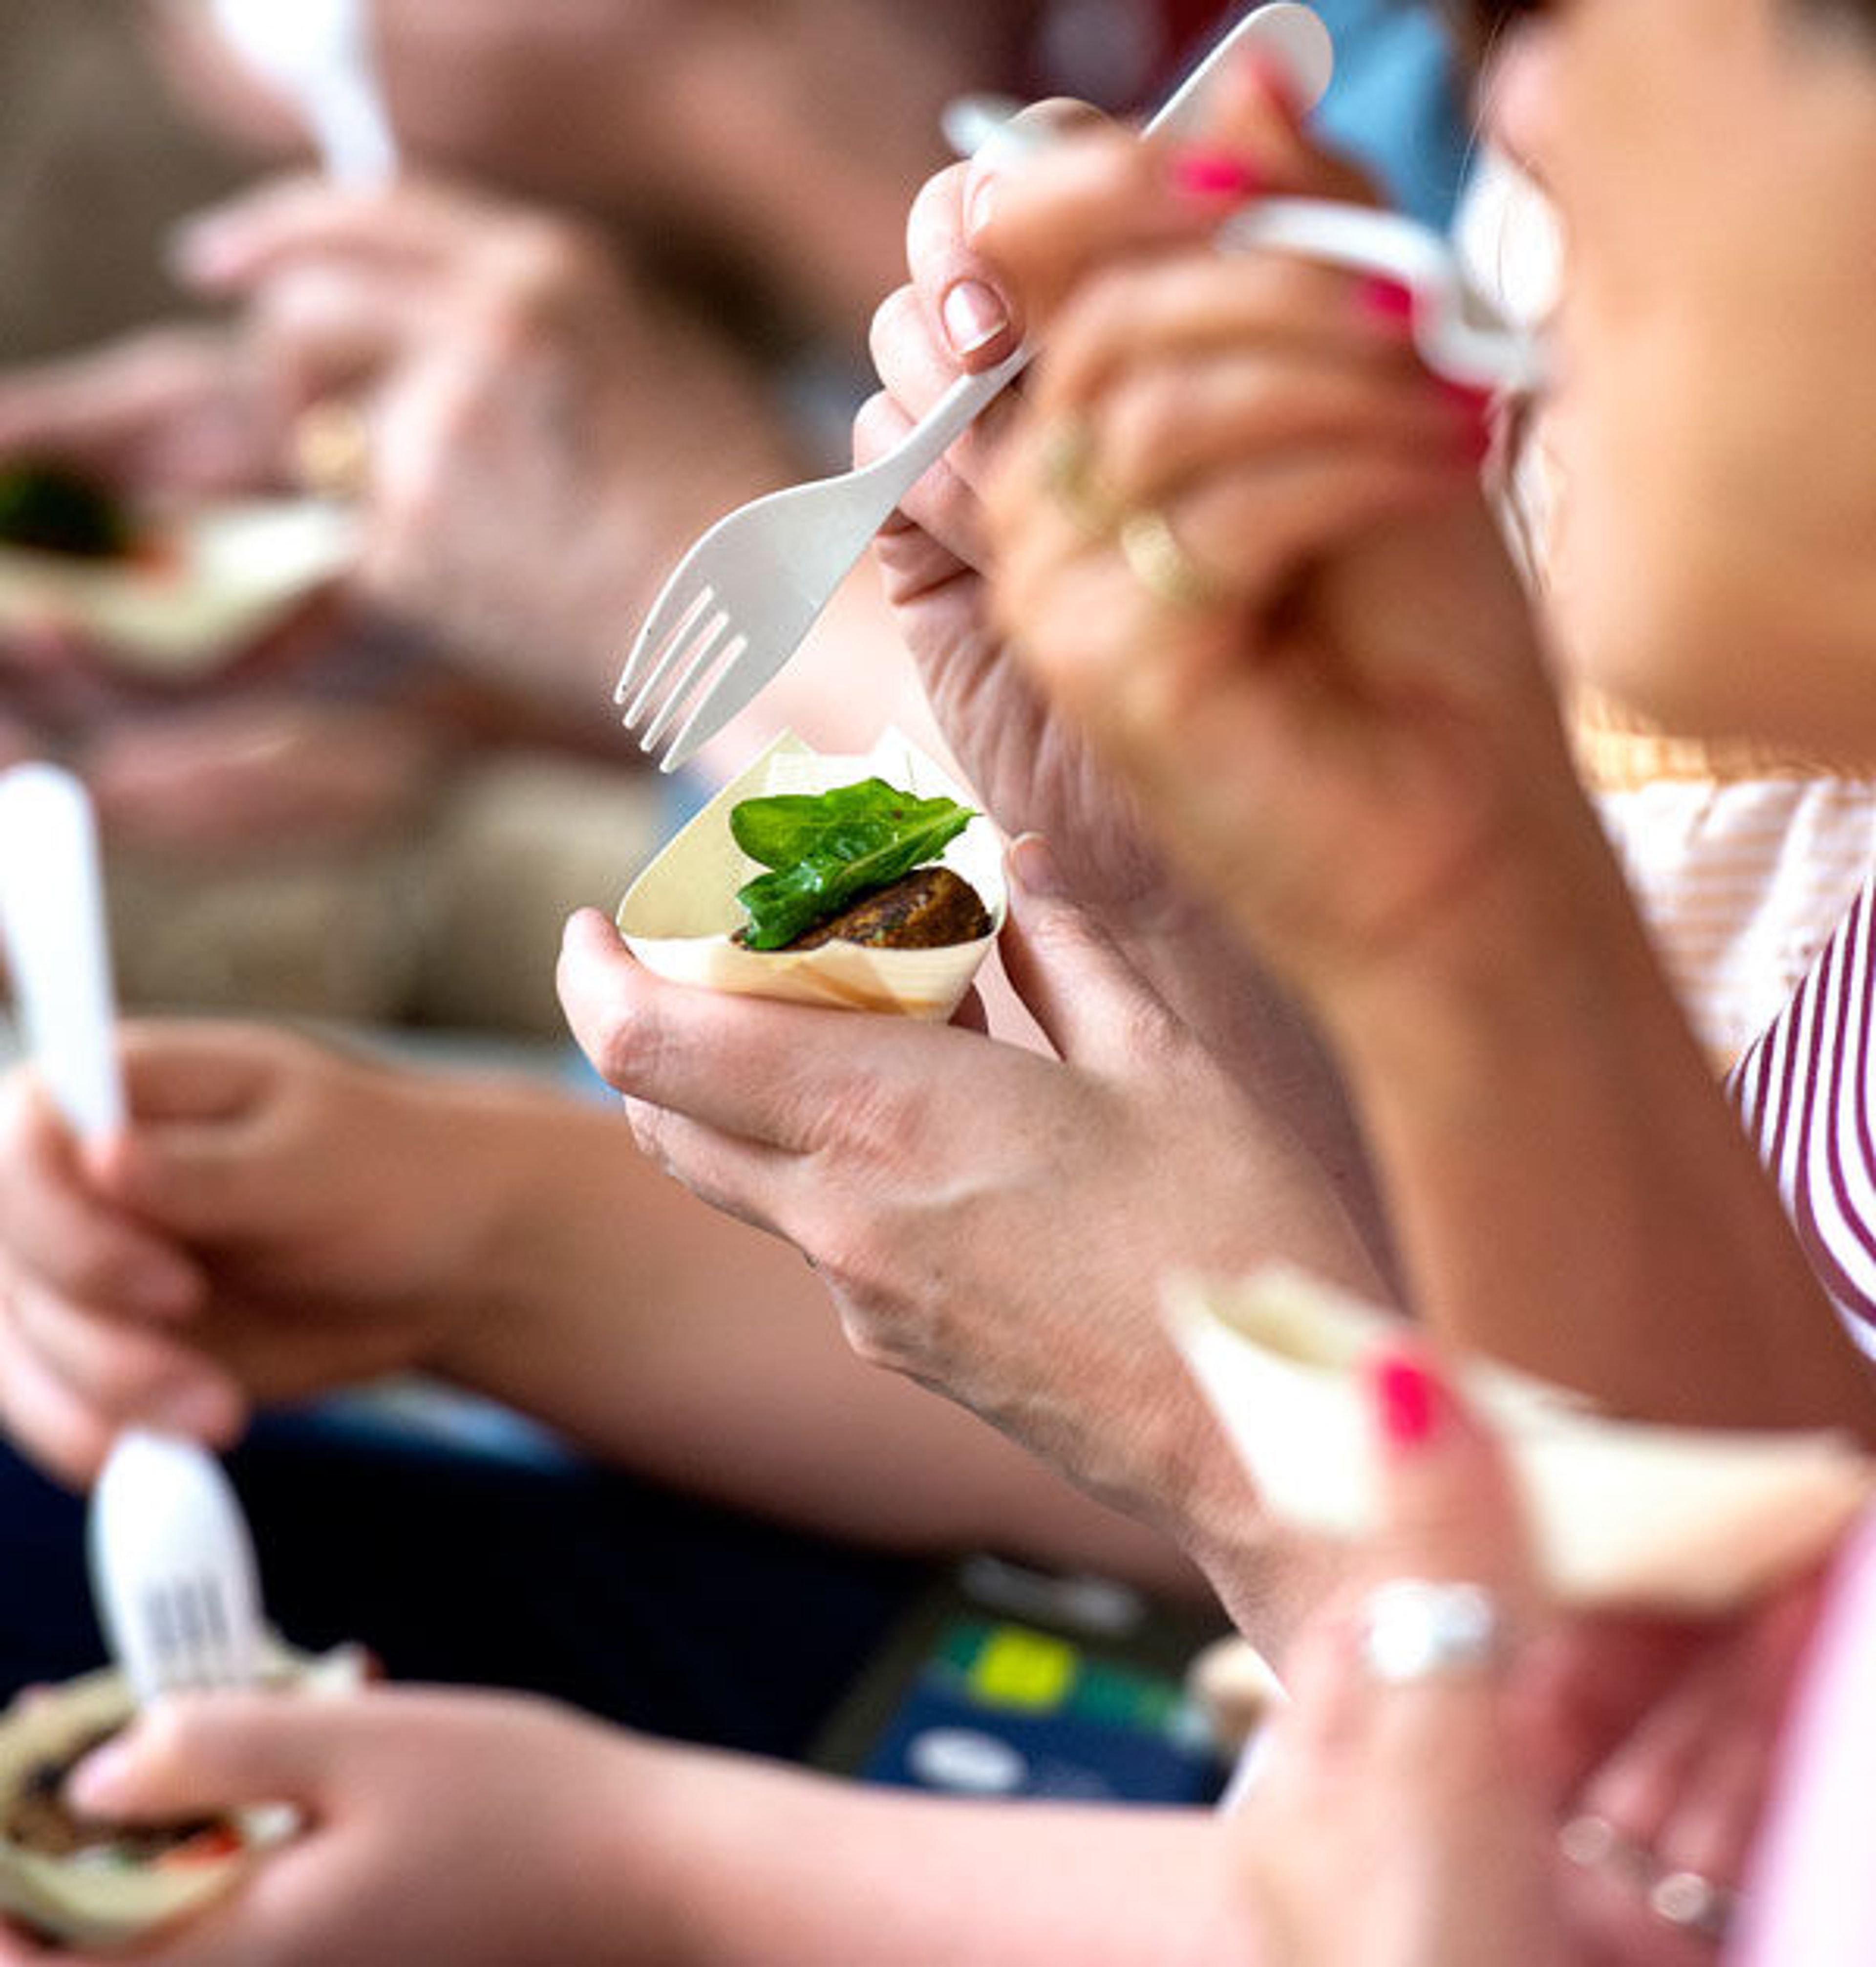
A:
[318,53]
[52,921]
[1458,334]
[742,600]
[173,1567]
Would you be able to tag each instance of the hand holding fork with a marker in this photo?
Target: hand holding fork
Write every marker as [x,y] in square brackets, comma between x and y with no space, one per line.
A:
[744,596]
[173,1566]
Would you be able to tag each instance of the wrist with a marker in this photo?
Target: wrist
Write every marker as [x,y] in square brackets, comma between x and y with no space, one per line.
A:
[1536,959]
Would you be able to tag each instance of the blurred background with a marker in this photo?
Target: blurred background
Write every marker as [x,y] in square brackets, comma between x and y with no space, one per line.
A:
[616,279]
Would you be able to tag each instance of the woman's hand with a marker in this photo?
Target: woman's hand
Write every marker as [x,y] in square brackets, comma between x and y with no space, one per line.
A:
[1586,1792]
[1398,1823]
[961,311]
[171,412]
[235,778]
[535,437]
[439,1826]
[992,1222]
[1241,543]
[277,1218]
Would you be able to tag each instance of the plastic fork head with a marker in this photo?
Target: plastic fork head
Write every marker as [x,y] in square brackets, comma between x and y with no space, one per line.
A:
[172,1567]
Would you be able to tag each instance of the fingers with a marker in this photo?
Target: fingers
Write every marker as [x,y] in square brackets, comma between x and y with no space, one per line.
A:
[916,371]
[234,247]
[1449,1507]
[60,1223]
[115,1369]
[1108,196]
[1221,314]
[969,312]
[1686,1787]
[1093,1005]
[772,1073]
[189,1753]
[743,1178]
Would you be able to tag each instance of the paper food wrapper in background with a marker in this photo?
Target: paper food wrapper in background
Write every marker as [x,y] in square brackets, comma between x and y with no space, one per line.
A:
[96,1903]
[1674,1519]
[219,578]
[679,916]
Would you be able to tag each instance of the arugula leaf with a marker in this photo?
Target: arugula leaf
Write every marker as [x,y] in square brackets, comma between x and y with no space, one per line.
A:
[827,849]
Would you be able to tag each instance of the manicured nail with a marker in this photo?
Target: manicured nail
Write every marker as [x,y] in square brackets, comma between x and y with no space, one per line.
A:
[1390,302]
[1406,1401]
[973,316]
[1033,865]
[1212,177]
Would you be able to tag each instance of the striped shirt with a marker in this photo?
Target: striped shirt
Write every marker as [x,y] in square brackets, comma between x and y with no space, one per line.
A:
[1803,1092]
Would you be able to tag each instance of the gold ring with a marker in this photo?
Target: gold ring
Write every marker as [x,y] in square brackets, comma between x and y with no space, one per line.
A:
[331,444]
[1161,564]
[1067,462]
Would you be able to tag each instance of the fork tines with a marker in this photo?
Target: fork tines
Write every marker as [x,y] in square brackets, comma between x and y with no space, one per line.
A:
[192,1632]
[694,646]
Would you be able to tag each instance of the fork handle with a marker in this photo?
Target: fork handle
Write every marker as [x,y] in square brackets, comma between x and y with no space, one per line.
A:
[894,474]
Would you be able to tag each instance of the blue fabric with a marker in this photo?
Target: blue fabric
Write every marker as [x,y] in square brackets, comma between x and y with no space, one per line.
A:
[1397,102]
[553,1576]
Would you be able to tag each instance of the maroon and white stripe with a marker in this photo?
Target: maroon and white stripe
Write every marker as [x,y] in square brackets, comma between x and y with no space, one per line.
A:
[1804,1093]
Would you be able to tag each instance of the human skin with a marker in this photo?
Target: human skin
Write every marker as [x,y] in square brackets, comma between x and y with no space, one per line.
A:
[281,1218]
[1353,745]
[706,123]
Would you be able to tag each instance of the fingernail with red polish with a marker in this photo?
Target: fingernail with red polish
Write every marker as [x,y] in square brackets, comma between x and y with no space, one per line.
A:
[1213,177]
[973,316]
[1391,302]
[1406,1401]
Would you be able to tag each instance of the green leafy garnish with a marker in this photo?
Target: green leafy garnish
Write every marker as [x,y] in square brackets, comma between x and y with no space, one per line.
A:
[55,510]
[825,850]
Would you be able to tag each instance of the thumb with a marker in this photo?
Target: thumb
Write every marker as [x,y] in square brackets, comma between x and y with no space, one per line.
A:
[1449,1508]
[1093,1004]
[187,1754]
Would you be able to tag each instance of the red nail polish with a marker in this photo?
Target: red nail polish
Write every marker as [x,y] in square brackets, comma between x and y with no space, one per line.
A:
[1391,302]
[1212,177]
[1407,1399]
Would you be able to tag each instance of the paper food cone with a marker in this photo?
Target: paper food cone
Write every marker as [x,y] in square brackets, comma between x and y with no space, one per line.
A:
[92,1903]
[679,917]
[220,576]
[1666,1519]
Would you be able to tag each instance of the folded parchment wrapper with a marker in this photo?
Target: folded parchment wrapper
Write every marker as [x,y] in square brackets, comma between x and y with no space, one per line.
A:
[99,1903]
[678,917]
[222,576]
[1664,1519]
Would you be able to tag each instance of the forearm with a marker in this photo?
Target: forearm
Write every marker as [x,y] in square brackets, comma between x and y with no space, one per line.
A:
[1265,1039]
[608,1301]
[821,1871]
[1570,1189]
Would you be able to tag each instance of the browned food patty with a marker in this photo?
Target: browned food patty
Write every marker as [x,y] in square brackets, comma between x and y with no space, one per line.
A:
[928,909]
